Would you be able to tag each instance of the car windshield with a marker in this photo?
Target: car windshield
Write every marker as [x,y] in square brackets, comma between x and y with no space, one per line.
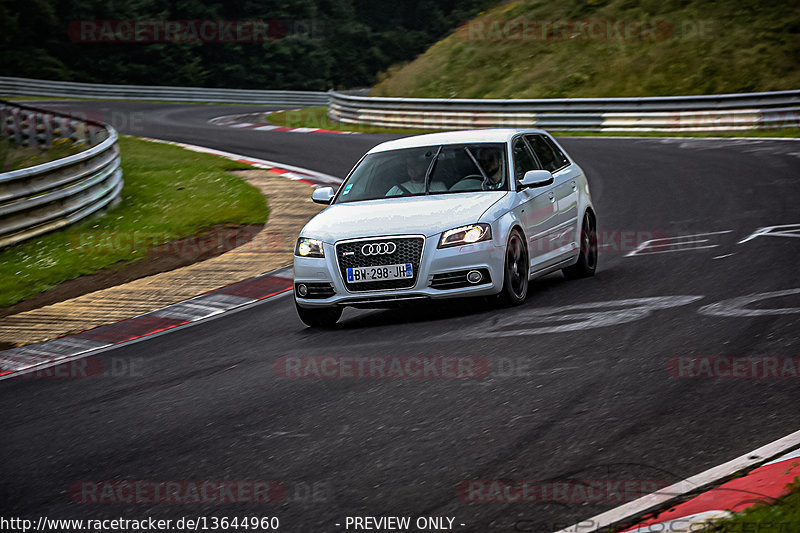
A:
[442,169]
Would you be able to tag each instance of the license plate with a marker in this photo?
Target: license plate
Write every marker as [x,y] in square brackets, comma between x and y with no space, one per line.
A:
[380,273]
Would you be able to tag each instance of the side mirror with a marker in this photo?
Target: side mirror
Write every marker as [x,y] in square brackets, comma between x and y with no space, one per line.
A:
[323,195]
[536,178]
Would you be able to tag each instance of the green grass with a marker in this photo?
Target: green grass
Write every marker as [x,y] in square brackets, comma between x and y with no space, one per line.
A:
[169,193]
[317,117]
[782,516]
[14,157]
[696,47]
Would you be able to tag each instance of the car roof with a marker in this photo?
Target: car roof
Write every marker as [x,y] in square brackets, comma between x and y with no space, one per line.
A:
[496,135]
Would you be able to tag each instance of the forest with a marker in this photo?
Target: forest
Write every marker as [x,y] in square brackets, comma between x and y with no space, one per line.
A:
[309,44]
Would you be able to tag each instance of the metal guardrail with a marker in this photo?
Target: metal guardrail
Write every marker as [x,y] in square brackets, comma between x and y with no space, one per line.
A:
[668,113]
[49,196]
[31,87]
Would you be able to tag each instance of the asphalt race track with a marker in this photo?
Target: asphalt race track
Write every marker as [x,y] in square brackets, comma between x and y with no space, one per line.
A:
[582,386]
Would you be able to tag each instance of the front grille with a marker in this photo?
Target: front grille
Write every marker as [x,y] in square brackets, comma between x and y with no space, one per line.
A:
[409,250]
[458,280]
[316,291]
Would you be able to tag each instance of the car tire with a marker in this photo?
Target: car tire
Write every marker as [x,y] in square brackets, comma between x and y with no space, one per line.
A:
[515,271]
[587,258]
[324,317]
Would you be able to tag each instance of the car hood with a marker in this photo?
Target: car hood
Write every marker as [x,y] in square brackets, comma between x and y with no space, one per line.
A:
[424,215]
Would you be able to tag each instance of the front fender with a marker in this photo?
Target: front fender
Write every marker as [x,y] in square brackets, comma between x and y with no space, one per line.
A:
[503,226]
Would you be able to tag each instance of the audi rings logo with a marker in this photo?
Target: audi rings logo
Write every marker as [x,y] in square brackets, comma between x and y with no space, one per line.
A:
[379,248]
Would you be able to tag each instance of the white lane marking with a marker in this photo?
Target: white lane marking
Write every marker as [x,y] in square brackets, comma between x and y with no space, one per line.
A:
[577,317]
[256,162]
[662,497]
[294,176]
[791,455]
[676,244]
[693,235]
[735,307]
[786,230]
[232,121]
[188,311]
[17,360]
[25,359]
[672,250]
[722,256]
[224,300]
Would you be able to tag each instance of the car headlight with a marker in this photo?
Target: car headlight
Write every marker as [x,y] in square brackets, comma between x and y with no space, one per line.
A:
[465,235]
[309,248]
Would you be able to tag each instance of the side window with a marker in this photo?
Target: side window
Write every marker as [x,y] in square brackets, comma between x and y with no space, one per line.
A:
[523,161]
[548,153]
[561,159]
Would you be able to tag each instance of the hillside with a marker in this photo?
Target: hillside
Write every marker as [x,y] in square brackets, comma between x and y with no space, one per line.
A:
[580,48]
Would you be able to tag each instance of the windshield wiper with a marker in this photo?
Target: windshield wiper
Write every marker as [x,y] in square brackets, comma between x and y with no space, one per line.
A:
[430,170]
[485,181]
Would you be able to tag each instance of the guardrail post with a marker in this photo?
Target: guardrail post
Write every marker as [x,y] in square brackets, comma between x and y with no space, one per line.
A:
[79,135]
[42,138]
[63,129]
[48,125]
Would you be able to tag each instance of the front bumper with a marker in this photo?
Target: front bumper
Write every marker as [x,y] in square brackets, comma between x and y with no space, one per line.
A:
[479,256]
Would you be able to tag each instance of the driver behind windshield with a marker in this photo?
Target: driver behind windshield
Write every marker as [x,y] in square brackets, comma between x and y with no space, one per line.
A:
[416,167]
[490,162]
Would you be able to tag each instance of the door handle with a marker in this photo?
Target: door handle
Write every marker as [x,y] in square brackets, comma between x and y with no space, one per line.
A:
[574,186]
[552,197]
